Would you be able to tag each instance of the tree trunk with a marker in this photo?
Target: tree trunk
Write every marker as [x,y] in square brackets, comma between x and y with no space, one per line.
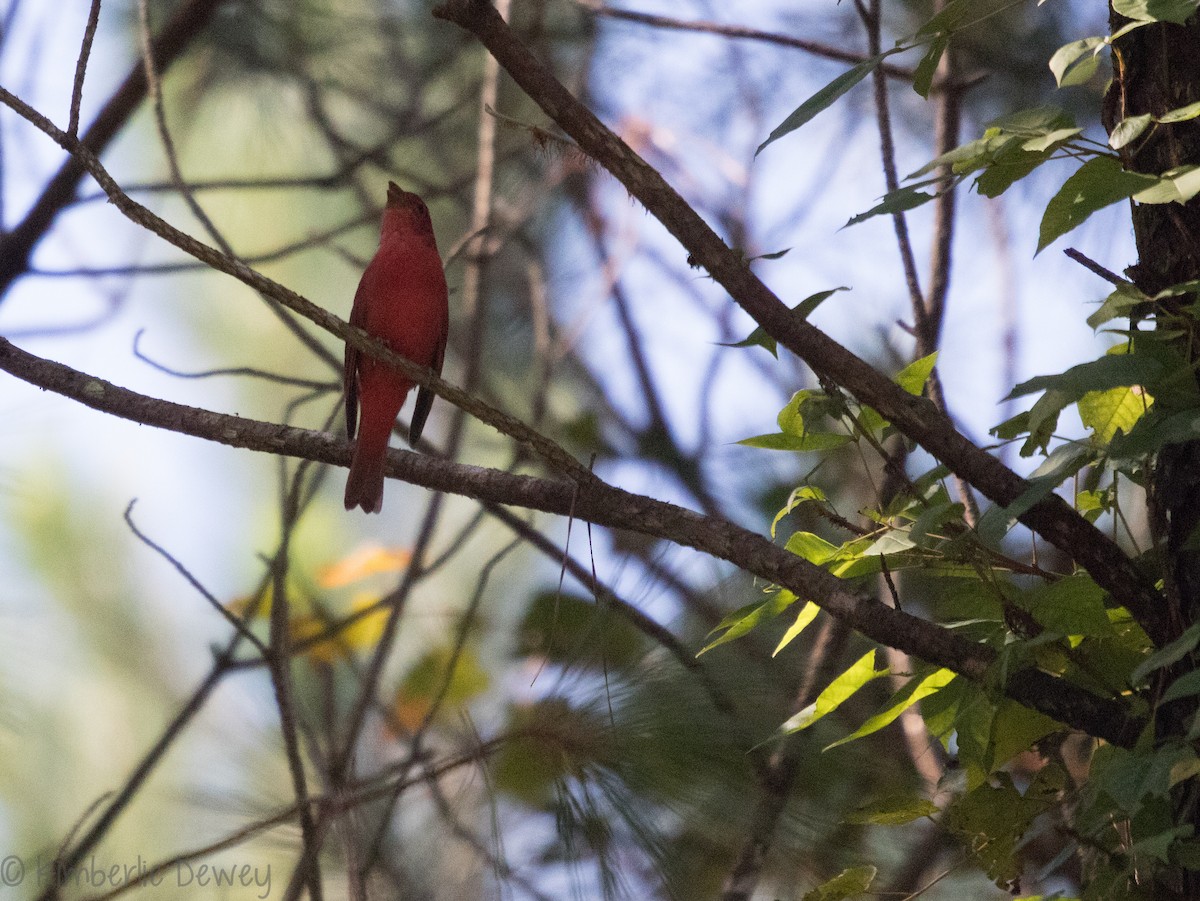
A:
[1156,69]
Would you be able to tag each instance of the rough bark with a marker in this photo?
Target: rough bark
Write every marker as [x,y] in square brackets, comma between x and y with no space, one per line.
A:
[1156,69]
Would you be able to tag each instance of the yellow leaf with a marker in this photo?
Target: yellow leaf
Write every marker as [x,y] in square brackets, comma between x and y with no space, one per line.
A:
[1114,410]
[361,629]
[369,560]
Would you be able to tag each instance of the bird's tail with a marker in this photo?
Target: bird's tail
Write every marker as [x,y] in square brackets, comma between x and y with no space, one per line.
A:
[364,485]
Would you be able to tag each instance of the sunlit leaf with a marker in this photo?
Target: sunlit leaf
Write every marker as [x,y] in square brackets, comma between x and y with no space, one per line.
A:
[913,692]
[1112,411]
[806,615]
[800,495]
[837,693]
[741,621]
[812,548]
[913,377]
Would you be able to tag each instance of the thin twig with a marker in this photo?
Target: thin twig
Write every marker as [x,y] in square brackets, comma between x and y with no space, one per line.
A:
[607,505]
[85,51]
[544,447]
[237,623]
[816,48]
[232,370]
[185,25]
[1092,266]
[164,133]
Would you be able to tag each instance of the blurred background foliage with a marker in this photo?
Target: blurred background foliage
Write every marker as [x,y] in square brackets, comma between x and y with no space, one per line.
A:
[553,748]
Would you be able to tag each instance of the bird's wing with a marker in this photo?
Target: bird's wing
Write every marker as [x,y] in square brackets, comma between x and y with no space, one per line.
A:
[425,396]
[350,368]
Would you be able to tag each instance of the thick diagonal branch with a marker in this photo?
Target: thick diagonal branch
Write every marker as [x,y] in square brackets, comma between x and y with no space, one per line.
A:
[596,501]
[917,417]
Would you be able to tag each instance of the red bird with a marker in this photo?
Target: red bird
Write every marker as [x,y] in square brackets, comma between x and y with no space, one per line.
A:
[403,301]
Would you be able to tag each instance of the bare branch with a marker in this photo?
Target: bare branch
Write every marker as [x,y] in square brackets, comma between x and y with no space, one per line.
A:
[603,504]
[816,48]
[85,51]
[508,425]
[238,625]
[177,35]
[1051,517]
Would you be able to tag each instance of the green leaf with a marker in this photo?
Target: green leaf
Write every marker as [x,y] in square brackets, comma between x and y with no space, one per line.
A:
[1154,431]
[923,530]
[1131,778]
[801,495]
[1015,728]
[1062,463]
[991,819]
[746,618]
[760,338]
[927,67]
[1128,130]
[813,441]
[1109,371]
[912,378]
[1177,11]
[825,98]
[1012,428]
[899,201]
[1008,168]
[1185,686]
[1182,114]
[847,884]
[1177,185]
[1075,63]
[1096,184]
[1118,304]
[806,615]
[892,812]
[891,542]
[1165,656]
[910,694]
[813,548]
[836,693]
[953,15]
[1051,140]
[1070,606]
